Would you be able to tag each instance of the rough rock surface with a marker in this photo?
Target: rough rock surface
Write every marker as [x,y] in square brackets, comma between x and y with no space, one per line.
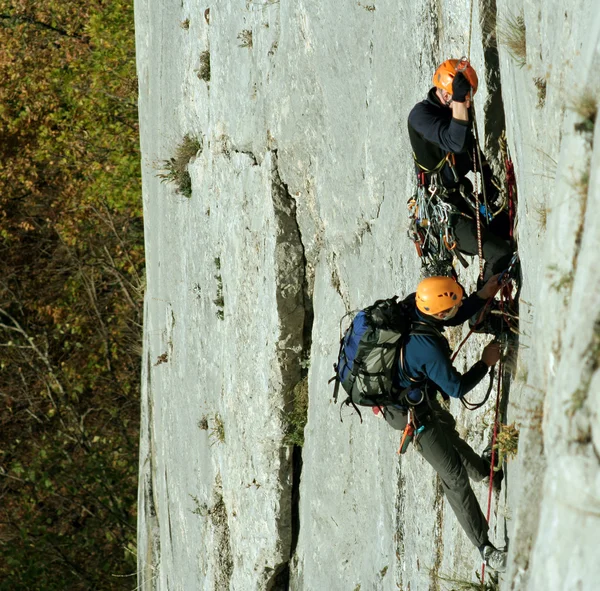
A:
[297,216]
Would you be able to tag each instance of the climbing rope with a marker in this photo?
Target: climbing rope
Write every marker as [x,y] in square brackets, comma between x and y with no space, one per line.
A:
[477,215]
[470,29]
[510,180]
[493,457]
[477,160]
[505,292]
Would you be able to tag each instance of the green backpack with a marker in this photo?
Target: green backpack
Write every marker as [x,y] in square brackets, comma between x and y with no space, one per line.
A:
[371,350]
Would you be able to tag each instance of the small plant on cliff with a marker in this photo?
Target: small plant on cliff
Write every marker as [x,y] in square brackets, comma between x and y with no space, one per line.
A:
[245,38]
[592,357]
[217,432]
[219,301]
[203,72]
[457,584]
[541,213]
[199,508]
[561,282]
[175,170]
[540,84]
[298,414]
[512,34]
[507,443]
[586,106]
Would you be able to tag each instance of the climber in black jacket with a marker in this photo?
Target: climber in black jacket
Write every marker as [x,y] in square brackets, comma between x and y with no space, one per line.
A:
[443,147]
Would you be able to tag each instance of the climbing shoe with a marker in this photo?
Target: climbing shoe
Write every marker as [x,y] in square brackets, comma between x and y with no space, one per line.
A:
[486,456]
[494,558]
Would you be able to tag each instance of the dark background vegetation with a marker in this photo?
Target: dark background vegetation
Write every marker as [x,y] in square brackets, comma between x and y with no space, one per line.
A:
[71,283]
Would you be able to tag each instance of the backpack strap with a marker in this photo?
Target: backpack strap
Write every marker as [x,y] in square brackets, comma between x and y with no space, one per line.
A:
[336,388]
[418,328]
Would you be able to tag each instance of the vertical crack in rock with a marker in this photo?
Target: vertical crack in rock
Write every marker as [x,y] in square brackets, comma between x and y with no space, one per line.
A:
[222,542]
[336,283]
[436,20]
[148,557]
[583,431]
[294,304]
[438,543]
[168,505]
[583,190]
[399,535]
[493,109]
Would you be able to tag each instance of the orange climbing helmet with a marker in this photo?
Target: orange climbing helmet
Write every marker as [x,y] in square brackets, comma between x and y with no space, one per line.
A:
[437,294]
[445,73]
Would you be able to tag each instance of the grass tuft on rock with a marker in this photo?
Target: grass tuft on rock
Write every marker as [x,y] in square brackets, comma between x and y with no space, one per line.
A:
[203,72]
[298,415]
[507,443]
[175,170]
[217,431]
[541,214]
[585,105]
[245,38]
[459,584]
[512,34]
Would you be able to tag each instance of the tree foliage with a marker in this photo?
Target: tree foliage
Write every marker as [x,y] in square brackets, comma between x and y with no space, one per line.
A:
[71,282]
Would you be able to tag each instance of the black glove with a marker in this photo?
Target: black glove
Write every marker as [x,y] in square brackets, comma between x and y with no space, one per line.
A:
[460,88]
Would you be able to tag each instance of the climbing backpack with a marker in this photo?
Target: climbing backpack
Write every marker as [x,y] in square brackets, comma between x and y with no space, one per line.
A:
[370,351]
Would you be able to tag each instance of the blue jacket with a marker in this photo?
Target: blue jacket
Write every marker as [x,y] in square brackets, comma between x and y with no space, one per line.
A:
[427,357]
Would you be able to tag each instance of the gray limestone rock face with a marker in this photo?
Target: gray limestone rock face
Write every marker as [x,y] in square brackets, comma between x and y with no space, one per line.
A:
[298,216]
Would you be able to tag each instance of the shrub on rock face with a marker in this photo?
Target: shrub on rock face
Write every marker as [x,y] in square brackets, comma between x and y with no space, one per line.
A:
[217,432]
[245,38]
[175,170]
[507,443]
[298,414]
[203,71]
[585,105]
[512,34]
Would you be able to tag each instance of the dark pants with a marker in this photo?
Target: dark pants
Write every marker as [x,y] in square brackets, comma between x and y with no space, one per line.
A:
[455,462]
[497,252]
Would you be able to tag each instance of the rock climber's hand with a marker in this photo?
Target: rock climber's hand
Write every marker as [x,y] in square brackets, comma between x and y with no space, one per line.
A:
[490,289]
[491,354]
[460,88]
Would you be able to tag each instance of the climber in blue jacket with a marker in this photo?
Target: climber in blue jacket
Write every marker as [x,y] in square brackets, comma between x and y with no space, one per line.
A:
[425,365]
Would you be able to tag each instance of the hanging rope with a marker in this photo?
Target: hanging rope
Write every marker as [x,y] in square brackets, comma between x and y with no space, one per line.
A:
[475,191]
[477,213]
[510,180]
[470,29]
[493,458]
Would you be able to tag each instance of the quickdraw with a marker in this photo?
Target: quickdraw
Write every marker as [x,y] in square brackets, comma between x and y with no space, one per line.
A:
[431,228]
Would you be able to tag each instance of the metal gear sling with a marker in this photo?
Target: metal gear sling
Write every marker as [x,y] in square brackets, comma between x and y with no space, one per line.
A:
[432,221]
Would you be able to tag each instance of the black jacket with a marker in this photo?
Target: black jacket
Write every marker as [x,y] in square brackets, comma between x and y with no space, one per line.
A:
[434,132]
